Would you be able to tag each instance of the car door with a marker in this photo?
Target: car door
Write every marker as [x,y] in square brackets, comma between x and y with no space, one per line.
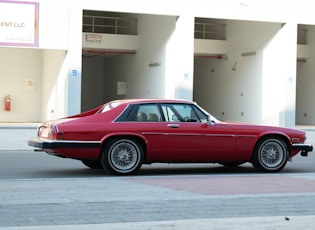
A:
[190,137]
[149,123]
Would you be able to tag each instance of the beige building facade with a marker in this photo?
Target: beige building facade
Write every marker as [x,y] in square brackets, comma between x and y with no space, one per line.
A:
[247,60]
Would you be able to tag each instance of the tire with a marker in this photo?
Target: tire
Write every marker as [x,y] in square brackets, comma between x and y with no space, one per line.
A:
[93,164]
[122,156]
[270,154]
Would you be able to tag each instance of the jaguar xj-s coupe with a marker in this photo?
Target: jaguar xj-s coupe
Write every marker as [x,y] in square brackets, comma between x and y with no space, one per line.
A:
[121,135]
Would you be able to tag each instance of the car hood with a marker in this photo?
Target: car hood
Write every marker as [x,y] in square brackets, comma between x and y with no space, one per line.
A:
[242,126]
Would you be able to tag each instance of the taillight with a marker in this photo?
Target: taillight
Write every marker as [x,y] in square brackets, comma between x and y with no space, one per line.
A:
[54,134]
[40,131]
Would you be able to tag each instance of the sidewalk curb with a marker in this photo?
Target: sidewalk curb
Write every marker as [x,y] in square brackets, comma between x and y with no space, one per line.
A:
[243,223]
[19,125]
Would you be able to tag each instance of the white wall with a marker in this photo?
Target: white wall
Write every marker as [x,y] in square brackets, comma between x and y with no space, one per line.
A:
[20,72]
[73,59]
[134,69]
[154,33]
[305,12]
[279,77]
[53,24]
[112,42]
[254,10]
[180,58]
[21,65]
[54,84]
[206,47]
[233,88]
[253,86]
[305,109]
[163,39]
[165,7]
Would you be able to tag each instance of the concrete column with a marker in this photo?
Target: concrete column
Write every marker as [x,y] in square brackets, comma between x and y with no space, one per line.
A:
[74,57]
[180,70]
[287,115]
[279,74]
[279,78]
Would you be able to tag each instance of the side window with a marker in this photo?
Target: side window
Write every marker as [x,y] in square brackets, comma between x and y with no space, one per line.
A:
[186,113]
[201,115]
[148,112]
[169,114]
[183,113]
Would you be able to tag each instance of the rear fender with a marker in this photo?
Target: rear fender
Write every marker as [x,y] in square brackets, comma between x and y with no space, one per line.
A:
[142,140]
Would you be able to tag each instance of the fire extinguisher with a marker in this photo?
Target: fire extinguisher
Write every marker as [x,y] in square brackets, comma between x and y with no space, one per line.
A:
[7,103]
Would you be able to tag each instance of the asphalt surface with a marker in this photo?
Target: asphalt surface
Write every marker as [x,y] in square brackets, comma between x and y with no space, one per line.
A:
[153,202]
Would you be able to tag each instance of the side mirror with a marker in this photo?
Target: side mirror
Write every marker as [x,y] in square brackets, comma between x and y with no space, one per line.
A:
[210,121]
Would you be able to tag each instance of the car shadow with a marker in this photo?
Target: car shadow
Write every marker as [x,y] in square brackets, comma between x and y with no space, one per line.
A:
[185,169]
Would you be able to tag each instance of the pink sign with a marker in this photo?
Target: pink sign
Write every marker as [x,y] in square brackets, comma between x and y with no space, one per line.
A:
[18,23]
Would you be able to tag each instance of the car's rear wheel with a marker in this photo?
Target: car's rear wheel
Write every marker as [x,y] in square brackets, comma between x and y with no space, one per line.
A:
[93,164]
[270,154]
[122,156]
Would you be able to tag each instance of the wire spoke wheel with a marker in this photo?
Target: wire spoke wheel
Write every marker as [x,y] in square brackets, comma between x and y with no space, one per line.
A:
[122,156]
[270,154]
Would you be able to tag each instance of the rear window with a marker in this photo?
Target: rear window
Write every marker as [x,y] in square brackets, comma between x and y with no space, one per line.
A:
[110,105]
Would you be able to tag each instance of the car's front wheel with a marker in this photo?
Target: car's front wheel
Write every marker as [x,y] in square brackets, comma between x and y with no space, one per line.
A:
[270,154]
[122,156]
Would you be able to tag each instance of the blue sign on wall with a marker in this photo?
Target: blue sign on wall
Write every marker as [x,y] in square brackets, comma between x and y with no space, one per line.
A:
[74,72]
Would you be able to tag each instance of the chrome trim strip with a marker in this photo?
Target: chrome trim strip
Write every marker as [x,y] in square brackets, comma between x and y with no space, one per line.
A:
[53,144]
[71,141]
[192,134]
[55,126]
[247,136]
[152,133]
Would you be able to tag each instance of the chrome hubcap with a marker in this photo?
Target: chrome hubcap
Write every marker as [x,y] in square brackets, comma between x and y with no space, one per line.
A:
[124,156]
[272,154]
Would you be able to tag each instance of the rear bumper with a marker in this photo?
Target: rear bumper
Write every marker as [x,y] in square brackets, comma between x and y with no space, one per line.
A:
[304,148]
[54,144]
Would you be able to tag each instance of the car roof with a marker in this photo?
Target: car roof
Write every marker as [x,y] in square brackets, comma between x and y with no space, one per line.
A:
[153,100]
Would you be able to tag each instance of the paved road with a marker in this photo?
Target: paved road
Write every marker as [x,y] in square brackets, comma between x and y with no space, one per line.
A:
[40,191]
[27,164]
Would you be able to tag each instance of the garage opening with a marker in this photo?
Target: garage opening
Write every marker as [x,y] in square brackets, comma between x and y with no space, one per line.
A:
[105,35]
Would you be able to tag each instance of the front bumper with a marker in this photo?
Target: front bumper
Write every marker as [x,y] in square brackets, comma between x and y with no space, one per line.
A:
[42,143]
[304,148]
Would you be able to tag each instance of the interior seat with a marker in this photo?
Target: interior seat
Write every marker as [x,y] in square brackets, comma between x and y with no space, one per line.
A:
[142,117]
[153,117]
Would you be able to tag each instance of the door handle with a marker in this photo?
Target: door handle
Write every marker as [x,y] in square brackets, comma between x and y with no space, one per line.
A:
[173,125]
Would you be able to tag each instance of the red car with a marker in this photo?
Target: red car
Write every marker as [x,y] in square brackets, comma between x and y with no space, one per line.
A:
[122,135]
